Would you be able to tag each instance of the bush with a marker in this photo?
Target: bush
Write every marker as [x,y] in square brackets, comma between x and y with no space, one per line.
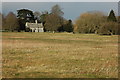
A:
[27,30]
[108,28]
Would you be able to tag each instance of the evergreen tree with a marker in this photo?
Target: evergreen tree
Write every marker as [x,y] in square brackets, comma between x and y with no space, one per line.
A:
[111,16]
[68,27]
[43,17]
[24,15]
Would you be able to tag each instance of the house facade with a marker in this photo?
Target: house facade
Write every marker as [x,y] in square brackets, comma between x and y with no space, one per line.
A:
[35,27]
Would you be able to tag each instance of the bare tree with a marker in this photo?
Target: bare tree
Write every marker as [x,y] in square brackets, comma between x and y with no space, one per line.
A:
[11,22]
[37,15]
[1,21]
[53,22]
[57,10]
[89,22]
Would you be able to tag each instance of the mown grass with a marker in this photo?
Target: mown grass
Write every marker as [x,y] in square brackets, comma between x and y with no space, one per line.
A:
[59,55]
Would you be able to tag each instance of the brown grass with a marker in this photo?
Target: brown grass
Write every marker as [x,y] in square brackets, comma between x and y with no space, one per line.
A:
[59,55]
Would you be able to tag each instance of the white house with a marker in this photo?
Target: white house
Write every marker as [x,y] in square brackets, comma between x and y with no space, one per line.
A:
[35,27]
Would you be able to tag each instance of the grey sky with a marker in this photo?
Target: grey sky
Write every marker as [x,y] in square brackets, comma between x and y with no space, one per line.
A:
[71,9]
[60,0]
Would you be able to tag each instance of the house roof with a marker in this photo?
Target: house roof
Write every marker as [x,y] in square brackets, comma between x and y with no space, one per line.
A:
[34,25]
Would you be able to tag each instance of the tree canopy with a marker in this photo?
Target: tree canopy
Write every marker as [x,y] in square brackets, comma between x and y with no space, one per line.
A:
[88,22]
[97,23]
[11,22]
[57,10]
[53,22]
[37,15]
[111,16]
[24,15]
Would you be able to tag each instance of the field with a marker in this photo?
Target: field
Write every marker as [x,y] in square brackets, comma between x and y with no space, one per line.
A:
[59,55]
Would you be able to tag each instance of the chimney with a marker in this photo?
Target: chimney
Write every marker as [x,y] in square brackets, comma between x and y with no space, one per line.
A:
[36,21]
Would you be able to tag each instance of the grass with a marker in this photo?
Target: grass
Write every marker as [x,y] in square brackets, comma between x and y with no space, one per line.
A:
[59,55]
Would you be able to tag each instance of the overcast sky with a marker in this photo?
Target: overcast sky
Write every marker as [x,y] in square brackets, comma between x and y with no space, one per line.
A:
[71,9]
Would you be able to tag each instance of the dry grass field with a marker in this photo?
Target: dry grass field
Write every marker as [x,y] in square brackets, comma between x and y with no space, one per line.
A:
[59,55]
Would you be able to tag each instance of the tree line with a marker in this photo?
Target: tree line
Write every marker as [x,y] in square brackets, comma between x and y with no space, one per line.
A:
[53,21]
[98,23]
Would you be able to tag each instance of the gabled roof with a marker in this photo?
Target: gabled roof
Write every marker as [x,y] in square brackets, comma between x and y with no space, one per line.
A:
[34,25]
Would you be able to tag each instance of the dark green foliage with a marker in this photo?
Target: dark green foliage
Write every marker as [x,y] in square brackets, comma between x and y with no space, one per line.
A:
[24,15]
[112,17]
[27,30]
[119,19]
[43,17]
[60,29]
[119,28]
[66,27]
